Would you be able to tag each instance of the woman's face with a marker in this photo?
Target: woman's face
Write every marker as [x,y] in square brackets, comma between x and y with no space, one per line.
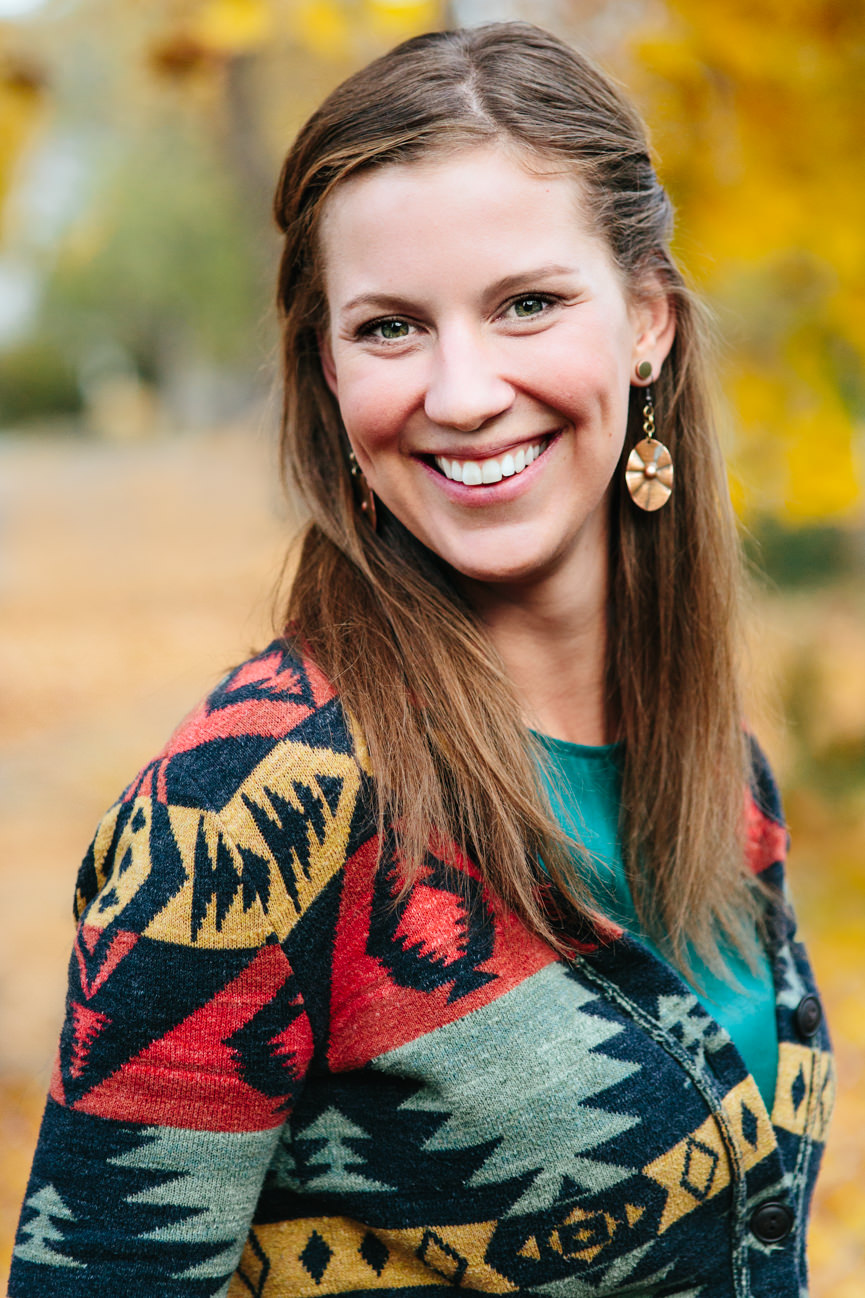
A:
[481,346]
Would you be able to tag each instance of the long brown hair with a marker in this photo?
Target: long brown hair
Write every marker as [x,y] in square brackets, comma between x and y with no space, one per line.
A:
[377,611]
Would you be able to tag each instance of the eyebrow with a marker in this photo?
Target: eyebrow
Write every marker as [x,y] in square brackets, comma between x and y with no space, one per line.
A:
[377,301]
[507,284]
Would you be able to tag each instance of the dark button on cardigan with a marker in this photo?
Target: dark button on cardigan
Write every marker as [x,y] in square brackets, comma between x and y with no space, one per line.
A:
[772,1222]
[808,1016]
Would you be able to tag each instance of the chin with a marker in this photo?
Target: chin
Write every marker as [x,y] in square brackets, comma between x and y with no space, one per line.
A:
[500,571]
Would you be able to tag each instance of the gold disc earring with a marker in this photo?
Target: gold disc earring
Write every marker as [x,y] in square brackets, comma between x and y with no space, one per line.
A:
[363,492]
[649,471]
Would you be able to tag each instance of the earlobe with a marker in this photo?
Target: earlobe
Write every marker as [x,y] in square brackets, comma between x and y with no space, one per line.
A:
[656,329]
[328,368]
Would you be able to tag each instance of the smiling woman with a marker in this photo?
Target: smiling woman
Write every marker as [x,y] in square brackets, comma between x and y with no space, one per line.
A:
[446,942]
[503,365]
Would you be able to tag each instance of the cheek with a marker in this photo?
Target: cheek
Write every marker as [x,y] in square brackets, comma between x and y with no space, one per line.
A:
[374,429]
[584,381]
[375,403]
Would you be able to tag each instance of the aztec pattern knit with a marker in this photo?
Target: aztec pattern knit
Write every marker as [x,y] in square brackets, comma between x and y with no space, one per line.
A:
[274,1080]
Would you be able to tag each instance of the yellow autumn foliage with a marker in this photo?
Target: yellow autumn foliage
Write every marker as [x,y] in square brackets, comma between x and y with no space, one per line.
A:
[20,104]
[759,122]
[323,27]
[395,20]
[336,29]
[233,25]
[330,30]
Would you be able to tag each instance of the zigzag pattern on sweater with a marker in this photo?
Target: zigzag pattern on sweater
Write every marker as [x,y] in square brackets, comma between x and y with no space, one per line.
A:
[280,1074]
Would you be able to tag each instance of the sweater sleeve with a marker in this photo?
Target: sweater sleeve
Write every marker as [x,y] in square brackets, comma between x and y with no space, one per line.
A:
[184,1047]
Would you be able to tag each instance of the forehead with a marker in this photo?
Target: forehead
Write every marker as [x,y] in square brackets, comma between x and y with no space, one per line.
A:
[454,213]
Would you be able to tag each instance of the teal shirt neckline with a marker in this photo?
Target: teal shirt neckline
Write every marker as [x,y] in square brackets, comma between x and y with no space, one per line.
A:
[584,785]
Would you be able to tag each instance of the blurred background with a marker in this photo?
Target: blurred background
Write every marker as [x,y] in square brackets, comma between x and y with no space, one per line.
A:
[142,528]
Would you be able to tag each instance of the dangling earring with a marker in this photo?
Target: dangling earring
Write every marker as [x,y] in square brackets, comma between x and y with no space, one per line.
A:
[649,471]
[363,492]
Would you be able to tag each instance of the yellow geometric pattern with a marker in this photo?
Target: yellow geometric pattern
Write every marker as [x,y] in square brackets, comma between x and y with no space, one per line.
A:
[239,928]
[698,1167]
[441,1256]
[234,828]
[530,1249]
[287,764]
[127,868]
[592,1232]
[805,1095]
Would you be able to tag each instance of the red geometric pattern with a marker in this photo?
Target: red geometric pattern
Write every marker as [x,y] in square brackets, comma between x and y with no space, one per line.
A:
[371,1012]
[88,1024]
[94,973]
[190,1076]
[766,840]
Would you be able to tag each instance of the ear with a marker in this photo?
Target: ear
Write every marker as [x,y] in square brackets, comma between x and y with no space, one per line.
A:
[328,368]
[654,319]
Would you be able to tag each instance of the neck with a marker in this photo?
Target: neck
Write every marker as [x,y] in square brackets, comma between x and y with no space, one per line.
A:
[552,638]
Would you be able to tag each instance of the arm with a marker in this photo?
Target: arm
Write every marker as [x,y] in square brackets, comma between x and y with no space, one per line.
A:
[184,1046]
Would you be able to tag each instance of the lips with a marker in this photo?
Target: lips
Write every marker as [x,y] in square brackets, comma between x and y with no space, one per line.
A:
[484,472]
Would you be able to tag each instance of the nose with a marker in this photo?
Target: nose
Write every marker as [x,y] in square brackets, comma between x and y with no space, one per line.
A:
[465,389]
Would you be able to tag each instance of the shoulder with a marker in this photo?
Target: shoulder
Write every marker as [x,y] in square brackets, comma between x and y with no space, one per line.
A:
[277,699]
[225,836]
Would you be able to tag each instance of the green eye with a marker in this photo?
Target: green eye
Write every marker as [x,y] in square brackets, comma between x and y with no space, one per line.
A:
[529,306]
[392,329]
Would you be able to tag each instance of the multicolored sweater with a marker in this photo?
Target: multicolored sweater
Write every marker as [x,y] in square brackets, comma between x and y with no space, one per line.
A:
[278,1078]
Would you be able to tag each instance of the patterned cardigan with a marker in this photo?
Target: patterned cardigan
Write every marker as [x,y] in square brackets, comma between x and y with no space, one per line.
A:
[277,1078]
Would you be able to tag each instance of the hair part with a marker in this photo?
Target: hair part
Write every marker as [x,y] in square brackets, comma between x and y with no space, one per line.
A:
[378,613]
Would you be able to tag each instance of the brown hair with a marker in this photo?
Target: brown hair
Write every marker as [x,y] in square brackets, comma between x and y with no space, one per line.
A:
[377,611]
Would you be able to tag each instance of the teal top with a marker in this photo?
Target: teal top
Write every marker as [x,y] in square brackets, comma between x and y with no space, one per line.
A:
[584,784]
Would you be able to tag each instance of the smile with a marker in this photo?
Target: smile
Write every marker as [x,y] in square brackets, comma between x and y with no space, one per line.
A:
[481,473]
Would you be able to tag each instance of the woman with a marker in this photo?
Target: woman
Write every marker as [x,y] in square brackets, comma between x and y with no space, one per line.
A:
[445,944]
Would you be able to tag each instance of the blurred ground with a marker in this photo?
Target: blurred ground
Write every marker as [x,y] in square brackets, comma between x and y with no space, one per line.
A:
[133,575]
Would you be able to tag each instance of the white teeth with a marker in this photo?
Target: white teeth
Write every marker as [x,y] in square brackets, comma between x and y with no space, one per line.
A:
[474,473]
